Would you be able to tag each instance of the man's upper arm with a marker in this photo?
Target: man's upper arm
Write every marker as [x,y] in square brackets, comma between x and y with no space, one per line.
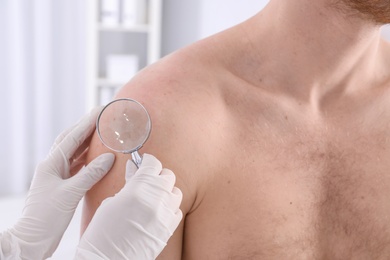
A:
[166,142]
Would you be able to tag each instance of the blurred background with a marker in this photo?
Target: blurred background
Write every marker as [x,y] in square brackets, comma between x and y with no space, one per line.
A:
[60,58]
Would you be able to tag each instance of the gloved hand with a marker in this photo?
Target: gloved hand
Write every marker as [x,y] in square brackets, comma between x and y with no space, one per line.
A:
[54,194]
[138,221]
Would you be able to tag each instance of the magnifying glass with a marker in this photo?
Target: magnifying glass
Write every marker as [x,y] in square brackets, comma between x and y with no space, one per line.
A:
[123,126]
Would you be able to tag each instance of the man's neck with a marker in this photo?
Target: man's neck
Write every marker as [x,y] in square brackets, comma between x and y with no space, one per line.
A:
[313,50]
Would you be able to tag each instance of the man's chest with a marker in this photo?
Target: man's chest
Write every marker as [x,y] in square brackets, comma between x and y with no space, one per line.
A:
[298,197]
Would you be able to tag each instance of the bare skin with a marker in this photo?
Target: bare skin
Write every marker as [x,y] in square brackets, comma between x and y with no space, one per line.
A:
[278,132]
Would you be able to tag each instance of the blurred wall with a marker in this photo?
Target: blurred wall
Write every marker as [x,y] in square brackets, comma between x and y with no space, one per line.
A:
[42,74]
[186,21]
[386,32]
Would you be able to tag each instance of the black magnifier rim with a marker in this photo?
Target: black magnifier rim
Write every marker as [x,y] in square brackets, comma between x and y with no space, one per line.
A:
[146,137]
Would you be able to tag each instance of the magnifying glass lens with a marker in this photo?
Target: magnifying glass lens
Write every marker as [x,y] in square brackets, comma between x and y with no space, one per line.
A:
[124,125]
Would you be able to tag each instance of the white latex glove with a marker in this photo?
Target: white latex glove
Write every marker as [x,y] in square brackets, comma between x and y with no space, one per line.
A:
[54,195]
[138,221]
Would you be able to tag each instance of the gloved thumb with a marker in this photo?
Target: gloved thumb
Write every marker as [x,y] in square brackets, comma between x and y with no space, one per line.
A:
[131,168]
[93,172]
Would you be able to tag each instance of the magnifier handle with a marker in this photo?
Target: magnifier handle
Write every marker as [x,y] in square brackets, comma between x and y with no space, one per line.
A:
[137,159]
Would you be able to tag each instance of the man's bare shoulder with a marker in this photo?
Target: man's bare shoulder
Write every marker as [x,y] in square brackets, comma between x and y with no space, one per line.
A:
[184,102]
[177,87]
[186,71]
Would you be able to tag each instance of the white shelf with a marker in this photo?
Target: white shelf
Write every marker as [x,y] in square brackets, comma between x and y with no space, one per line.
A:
[140,28]
[103,82]
[143,40]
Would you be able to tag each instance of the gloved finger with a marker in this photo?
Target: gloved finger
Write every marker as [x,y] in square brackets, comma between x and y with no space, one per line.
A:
[78,163]
[93,172]
[60,157]
[93,113]
[81,149]
[171,221]
[150,165]
[75,168]
[177,219]
[176,199]
[173,201]
[61,137]
[77,136]
[171,205]
[169,179]
[131,169]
